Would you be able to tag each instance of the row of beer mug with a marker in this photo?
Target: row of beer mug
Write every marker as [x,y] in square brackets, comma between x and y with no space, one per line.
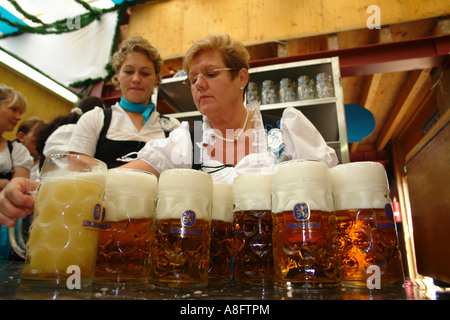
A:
[303,226]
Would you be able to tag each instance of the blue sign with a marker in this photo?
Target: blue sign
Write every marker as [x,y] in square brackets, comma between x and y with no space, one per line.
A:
[301,211]
[188,218]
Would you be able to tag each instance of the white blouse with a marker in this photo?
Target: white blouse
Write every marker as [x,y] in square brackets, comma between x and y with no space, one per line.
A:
[302,140]
[87,131]
[20,155]
[58,141]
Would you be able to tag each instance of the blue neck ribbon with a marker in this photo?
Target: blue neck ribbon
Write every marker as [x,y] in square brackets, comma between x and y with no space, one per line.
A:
[146,110]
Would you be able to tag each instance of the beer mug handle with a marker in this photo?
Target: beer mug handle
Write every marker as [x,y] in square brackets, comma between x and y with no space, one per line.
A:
[18,245]
[17,242]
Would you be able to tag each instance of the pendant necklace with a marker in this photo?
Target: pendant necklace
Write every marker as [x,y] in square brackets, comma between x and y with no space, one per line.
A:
[236,138]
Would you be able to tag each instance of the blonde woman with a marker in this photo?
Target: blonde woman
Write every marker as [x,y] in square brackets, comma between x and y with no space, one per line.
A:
[116,134]
[232,139]
[15,159]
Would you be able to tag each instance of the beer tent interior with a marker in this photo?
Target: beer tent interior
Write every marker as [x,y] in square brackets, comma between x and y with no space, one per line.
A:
[397,72]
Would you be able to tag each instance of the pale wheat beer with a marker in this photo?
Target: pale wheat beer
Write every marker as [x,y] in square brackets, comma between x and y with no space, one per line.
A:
[253,259]
[182,229]
[365,226]
[67,216]
[124,244]
[221,246]
[304,233]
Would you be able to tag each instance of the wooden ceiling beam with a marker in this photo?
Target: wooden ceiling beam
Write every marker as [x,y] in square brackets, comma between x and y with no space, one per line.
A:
[370,95]
[368,98]
[422,53]
[405,106]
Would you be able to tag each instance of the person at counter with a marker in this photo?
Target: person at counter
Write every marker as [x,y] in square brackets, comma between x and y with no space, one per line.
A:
[232,139]
[15,159]
[115,135]
[27,134]
[54,136]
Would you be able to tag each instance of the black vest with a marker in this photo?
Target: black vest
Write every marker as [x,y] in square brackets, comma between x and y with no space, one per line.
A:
[109,151]
[8,175]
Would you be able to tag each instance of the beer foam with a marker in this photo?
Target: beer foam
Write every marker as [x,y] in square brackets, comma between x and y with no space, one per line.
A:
[252,192]
[360,185]
[298,181]
[131,180]
[184,189]
[129,194]
[222,202]
[97,176]
[187,181]
[63,163]
[304,172]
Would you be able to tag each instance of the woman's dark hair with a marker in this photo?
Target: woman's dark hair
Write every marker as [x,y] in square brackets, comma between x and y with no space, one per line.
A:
[82,106]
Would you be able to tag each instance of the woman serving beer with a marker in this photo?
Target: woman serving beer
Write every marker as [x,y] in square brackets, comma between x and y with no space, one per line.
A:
[116,134]
[231,139]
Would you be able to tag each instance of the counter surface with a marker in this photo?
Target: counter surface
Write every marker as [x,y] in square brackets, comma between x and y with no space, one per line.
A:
[11,289]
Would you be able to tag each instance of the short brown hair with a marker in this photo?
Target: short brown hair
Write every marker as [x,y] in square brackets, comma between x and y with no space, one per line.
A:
[135,44]
[28,124]
[234,53]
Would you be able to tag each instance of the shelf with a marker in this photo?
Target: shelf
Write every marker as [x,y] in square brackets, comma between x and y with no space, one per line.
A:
[326,114]
[297,103]
[266,107]
[177,94]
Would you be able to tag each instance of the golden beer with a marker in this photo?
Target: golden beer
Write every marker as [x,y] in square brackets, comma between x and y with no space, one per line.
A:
[124,244]
[305,252]
[64,232]
[365,226]
[221,246]
[368,237]
[304,230]
[180,254]
[182,230]
[123,250]
[253,257]
[221,252]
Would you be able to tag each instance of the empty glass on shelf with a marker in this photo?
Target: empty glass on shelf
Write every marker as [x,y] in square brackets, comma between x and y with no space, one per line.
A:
[287,92]
[324,85]
[252,92]
[305,88]
[268,92]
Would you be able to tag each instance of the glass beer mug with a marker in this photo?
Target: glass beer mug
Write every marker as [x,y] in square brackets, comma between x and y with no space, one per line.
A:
[221,247]
[124,244]
[67,215]
[365,226]
[304,233]
[182,229]
[253,259]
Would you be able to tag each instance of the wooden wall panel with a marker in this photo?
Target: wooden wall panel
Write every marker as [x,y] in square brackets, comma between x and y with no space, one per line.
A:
[429,186]
[172,25]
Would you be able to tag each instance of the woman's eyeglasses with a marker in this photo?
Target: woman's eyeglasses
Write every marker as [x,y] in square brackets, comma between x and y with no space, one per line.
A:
[207,75]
